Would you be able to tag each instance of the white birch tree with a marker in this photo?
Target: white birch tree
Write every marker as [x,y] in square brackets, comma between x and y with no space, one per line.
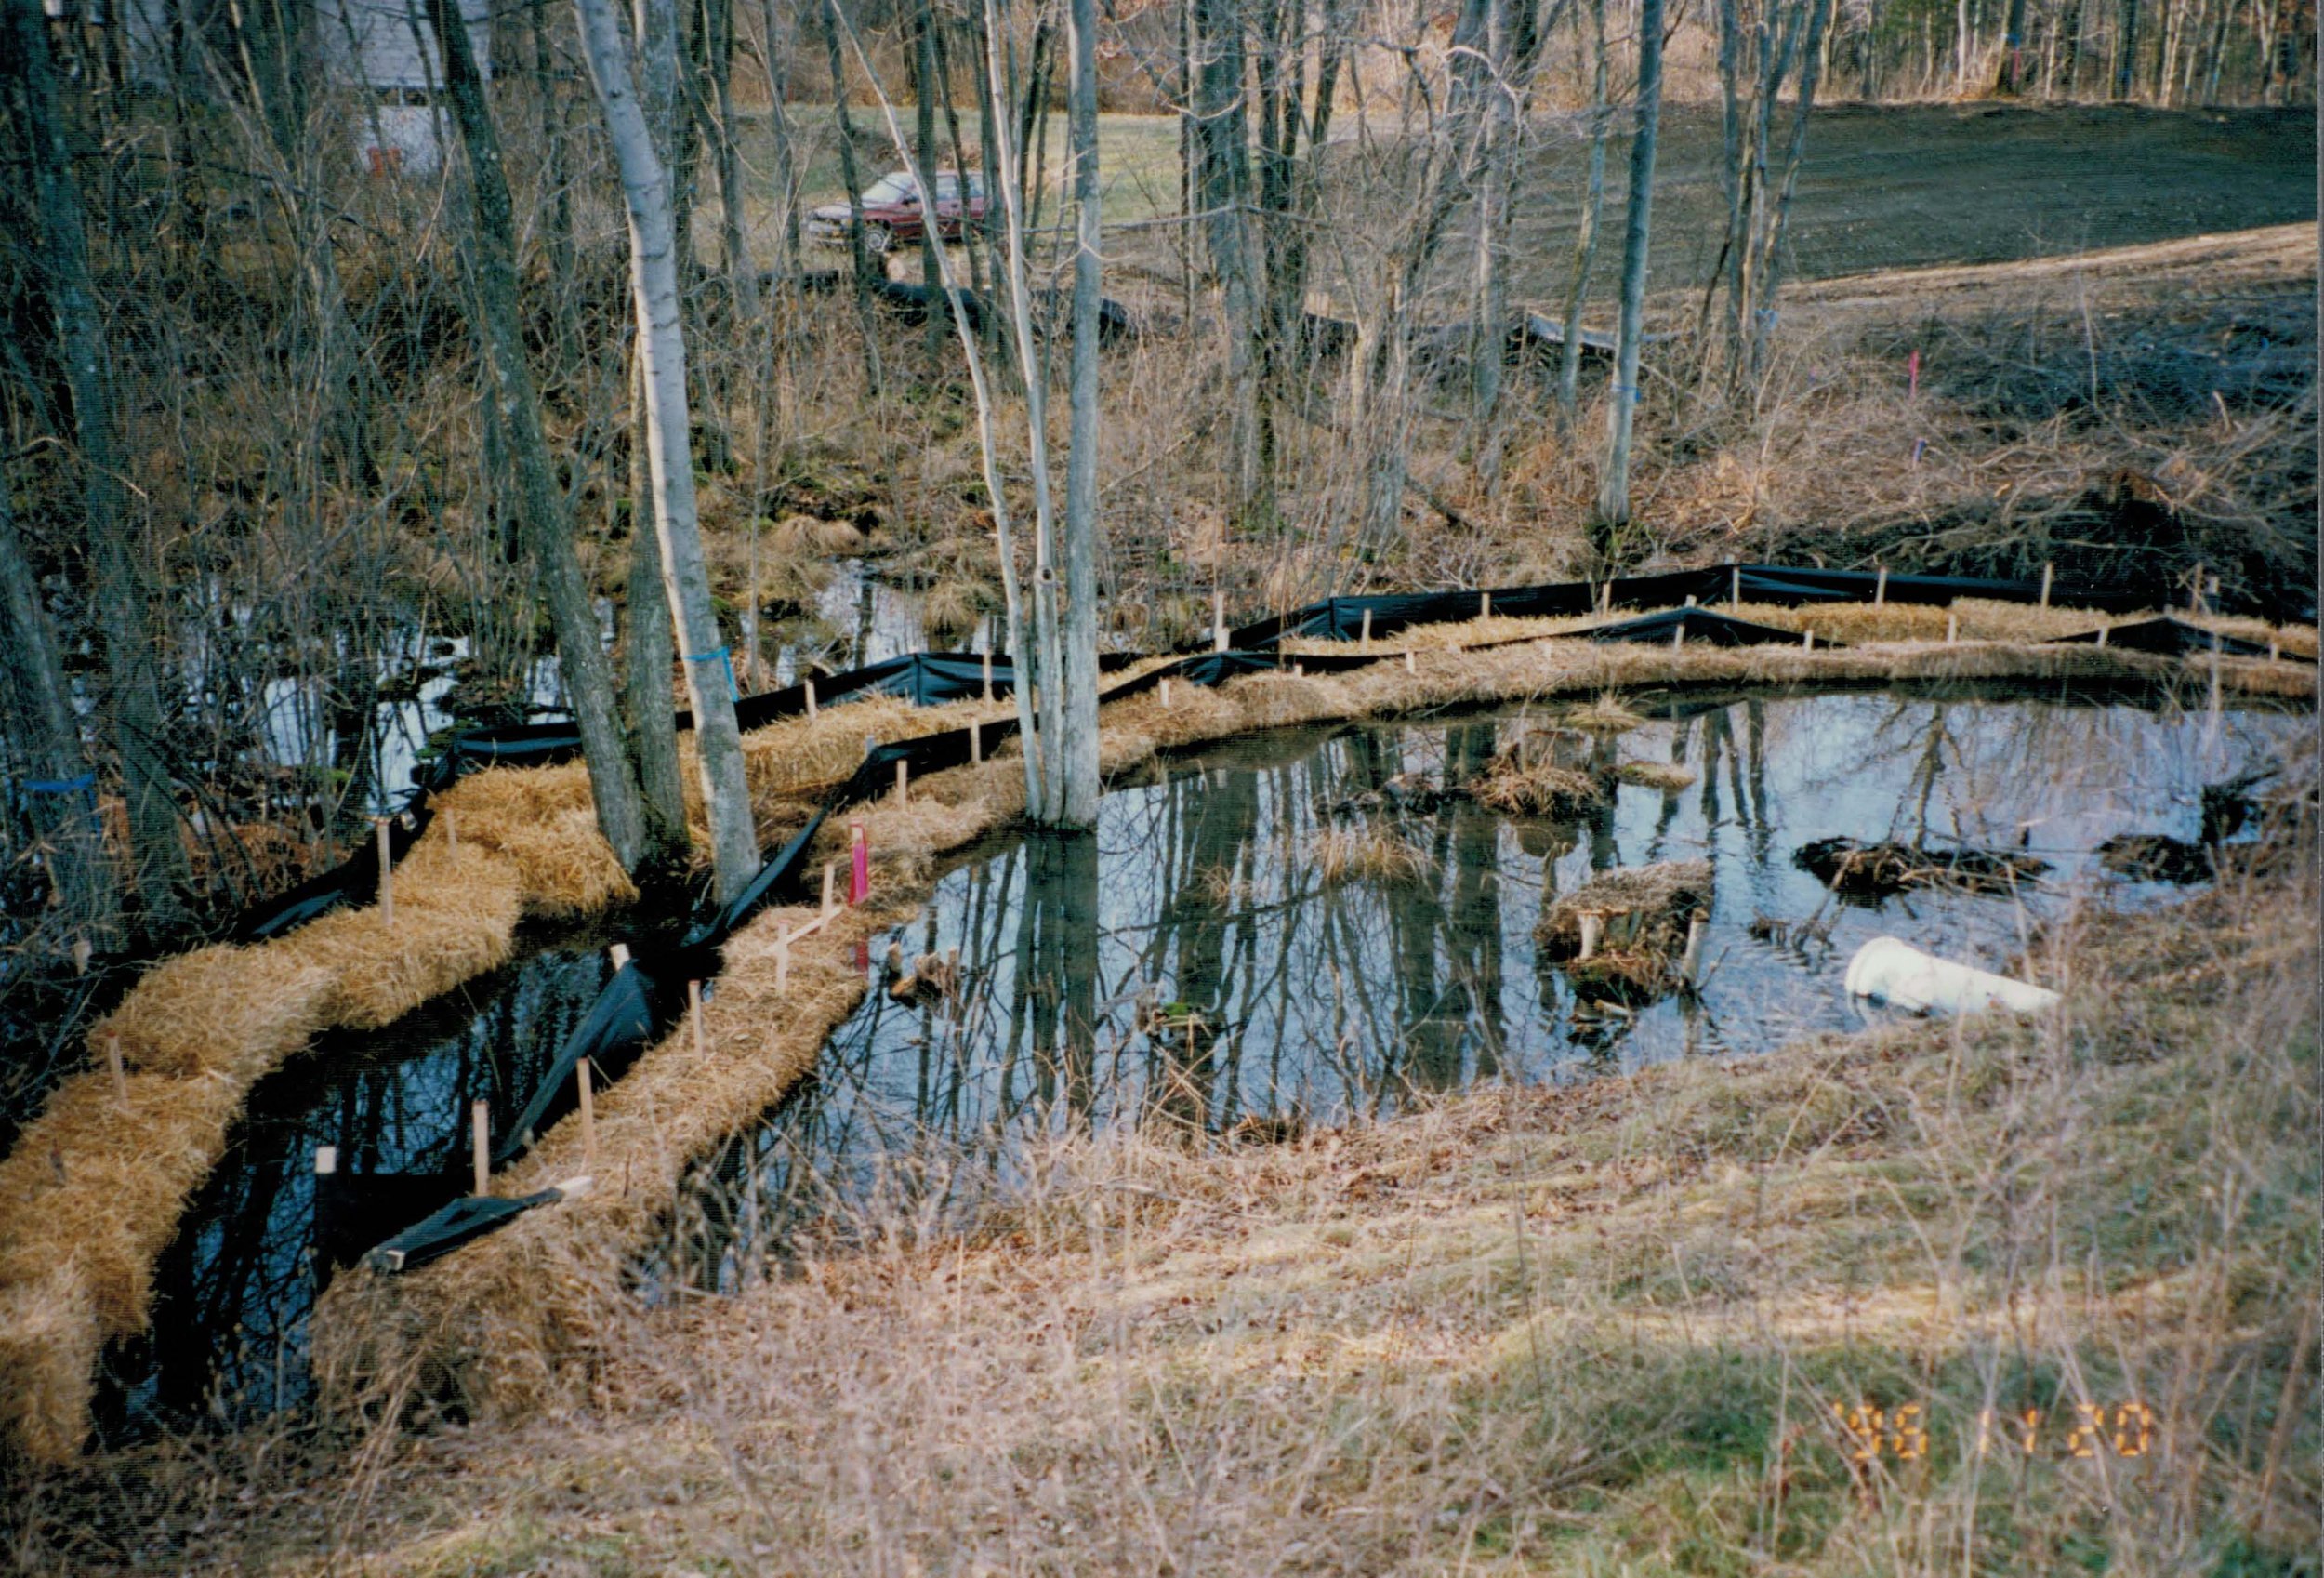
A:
[662,351]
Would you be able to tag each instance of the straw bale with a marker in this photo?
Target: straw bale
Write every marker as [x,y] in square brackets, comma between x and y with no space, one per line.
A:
[48,1348]
[217,1008]
[99,1183]
[455,918]
[504,1325]
[1662,897]
[564,868]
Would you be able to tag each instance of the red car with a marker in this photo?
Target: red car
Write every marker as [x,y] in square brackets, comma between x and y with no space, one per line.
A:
[892,211]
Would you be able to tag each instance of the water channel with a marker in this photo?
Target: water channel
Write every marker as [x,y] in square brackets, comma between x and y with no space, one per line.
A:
[1187,964]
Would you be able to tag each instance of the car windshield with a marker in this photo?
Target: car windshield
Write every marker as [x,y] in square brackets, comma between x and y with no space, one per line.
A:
[896,188]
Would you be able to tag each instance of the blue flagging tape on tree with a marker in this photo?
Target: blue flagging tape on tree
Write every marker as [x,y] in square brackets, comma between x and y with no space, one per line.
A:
[725,656]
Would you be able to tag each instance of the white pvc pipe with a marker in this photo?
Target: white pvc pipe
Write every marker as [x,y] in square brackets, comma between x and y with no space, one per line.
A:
[1904,978]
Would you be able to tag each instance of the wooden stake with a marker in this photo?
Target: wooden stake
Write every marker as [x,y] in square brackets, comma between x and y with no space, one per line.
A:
[976,738]
[1678,633]
[1485,605]
[113,1061]
[810,696]
[619,954]
[1367,631]
[1690,600]
[1299,670]
[903,782]
[1808,640]
[1880,590]
[452,833]
[1952,626]
[2048,572]
[1592,926]
[2274,646]
[781,963]
[480,1144]
[326,1161]
[2102,634]
[1165,695]
[2194,594]
[584,1083]
[1735,587]
[1690,965]
[1411,662]
[830,875]
[694,1012]
[81,952]
[387,879]
[1605,597]
[1218,620]
[988,676]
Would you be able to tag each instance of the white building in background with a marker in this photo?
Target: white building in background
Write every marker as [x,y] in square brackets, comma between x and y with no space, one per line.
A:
[386,50]
[379,54]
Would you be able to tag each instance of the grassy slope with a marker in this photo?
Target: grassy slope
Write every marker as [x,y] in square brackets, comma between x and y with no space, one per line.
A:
[1596,1330]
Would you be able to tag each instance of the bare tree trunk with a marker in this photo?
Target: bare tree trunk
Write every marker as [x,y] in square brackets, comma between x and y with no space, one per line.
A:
[540,502]
[1045,663]
[64,802]
[718,46]
[1768,264]
[1223,143]
[662,350]
[1077,747]
[771,55]
[2010,80]
[1586,238]
[158,863]
[924,82]
[2126,51]
[827,13]
[1613,512]
[650,645]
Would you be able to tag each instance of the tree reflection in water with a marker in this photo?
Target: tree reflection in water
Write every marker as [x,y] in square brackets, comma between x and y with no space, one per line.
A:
[1185,966]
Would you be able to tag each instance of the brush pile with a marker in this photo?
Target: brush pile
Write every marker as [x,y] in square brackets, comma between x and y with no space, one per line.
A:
[1872,871]
[1518,787]
[2156,857]
[1643,914]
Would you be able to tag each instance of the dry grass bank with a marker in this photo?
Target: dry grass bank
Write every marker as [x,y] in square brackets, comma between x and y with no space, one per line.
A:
[1635,1326]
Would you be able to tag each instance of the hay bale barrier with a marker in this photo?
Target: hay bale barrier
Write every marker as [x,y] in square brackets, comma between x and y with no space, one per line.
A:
[94,1189]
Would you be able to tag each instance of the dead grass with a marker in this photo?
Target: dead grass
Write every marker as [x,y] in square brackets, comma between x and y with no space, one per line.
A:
[1519,787]
[1613,1327]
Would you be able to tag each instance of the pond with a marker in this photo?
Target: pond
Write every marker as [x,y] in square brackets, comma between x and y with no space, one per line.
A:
[1188,963]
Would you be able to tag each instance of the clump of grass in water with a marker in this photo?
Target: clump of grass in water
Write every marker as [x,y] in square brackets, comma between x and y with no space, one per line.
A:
[1344,854]
[1519,787]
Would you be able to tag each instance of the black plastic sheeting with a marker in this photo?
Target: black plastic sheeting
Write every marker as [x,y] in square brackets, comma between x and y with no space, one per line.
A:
[470,1216]
[1709,626]
[2172,637]
[1341,618]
